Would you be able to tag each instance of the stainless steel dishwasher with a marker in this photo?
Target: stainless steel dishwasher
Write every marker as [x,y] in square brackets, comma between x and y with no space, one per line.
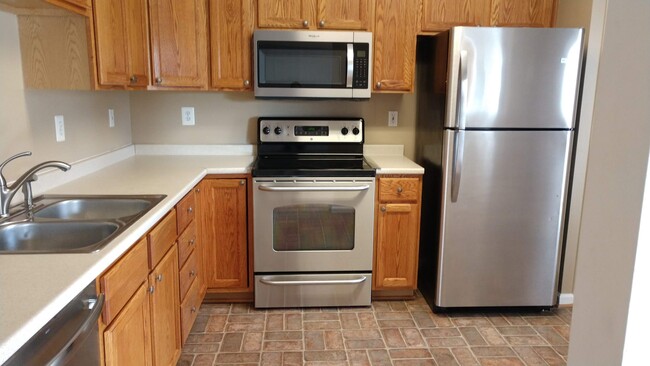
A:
[71,338]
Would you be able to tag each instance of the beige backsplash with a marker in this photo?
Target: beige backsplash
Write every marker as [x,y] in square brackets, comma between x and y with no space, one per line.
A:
[230,118]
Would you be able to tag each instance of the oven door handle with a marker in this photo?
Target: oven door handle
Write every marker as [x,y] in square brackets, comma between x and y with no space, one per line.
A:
[364,187]
[352,281]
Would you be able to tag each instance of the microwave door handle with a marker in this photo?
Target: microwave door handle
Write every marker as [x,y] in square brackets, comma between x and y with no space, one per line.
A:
[364,187]
[348,83]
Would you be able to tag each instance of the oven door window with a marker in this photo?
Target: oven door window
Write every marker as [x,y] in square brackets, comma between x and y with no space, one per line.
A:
[313,227]
[302,64]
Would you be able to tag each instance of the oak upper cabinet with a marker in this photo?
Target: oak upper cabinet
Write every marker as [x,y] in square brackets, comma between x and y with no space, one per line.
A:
[223,234]
[231,28]
[438,15]
[394,41]
[121,42]
[397,232]
[525,13]
[179,45]
[165,310]
[314,14]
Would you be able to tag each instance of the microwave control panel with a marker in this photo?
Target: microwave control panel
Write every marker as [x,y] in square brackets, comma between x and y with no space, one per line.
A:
[307,130]
[361,62]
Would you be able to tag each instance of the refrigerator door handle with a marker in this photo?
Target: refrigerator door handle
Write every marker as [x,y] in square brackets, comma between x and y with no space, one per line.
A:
[457,163]
[462,90]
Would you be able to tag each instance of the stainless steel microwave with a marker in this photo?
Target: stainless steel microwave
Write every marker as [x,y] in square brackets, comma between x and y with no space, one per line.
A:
[312,64]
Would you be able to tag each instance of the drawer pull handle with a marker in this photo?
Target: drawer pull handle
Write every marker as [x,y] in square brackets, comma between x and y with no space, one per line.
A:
[198,190]
[191,242]
[270,281]
[159,278]
[190,210]
[400,189]
[192,273]
[151,289]
[383,208]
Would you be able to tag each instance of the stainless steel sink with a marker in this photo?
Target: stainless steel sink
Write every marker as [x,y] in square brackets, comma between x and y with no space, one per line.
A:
[47,237]
[94,208]
[72,224]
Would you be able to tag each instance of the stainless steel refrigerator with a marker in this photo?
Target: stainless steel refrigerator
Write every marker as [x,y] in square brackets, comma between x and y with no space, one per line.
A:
[496,112]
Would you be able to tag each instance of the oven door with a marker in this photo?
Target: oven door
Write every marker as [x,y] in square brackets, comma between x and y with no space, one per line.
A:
[313,224]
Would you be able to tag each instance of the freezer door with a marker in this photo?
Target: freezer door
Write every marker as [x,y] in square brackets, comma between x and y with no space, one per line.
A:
[502,217]
[513,77]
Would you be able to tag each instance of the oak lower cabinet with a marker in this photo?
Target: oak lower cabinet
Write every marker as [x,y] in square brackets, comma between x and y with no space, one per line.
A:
[397,215]
[223,212]
[394,40]
[165,315]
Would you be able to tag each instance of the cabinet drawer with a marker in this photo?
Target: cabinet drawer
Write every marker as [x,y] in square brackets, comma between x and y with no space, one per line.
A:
[161,238]
[187,274]
[399,189]
[190,309]
[186,243]
[185,211]
[123,279]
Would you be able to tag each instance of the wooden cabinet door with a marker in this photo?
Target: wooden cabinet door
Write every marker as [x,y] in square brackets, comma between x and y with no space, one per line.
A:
[127,341]
[223,233]
[398,227]
[165,313]
[179,48]
[285,13]
[525,13]
[343,14]
[231,29]
[121,42]
[394,40]
[440,15]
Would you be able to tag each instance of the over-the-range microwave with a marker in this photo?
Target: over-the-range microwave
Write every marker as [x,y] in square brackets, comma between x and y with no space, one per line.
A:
[312,64]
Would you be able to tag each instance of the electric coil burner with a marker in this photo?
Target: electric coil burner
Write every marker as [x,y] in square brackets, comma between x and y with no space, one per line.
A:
[313,197]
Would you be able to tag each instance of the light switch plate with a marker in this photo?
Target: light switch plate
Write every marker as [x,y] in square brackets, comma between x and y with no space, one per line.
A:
[111,118]
[187,116]
[59,128]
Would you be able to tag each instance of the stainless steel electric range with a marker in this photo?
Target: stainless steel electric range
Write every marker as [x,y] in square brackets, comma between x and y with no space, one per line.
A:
[313,198]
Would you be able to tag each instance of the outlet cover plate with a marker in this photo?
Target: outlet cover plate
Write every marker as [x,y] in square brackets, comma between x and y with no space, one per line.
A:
[59,128]
[187,116]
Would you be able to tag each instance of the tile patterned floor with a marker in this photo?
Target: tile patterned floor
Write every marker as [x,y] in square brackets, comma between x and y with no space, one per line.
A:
[397,333]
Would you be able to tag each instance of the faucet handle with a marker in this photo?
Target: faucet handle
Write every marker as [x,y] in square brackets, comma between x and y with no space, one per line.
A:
[3,182]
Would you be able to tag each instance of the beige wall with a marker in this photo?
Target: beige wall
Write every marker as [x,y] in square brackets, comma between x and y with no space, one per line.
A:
[229,118]
[577,13]
[27,116]
[616,171]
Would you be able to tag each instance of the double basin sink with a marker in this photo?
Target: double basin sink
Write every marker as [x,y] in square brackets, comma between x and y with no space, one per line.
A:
[72,224]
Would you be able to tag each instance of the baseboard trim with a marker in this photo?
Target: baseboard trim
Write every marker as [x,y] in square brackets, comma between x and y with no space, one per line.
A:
[566,299]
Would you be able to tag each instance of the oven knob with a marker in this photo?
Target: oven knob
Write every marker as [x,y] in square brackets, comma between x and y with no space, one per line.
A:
[355,131]
[266,130]
[278,130]
[344,131]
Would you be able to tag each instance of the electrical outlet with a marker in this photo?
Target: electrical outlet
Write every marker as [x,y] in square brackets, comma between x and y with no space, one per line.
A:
[59,128]
[392,118]
[111,118]
[187,116]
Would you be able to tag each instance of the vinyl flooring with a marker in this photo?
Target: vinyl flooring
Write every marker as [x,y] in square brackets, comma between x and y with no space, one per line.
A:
[397,333]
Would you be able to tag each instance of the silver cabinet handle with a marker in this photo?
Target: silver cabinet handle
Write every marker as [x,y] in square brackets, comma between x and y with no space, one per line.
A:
[383,208]
[190,209]
[267,281]
[247,82]
[364,187]
[151,289]
[193,309]
[133,79]
[159,278]
[242,182]
[321,23]
[198,190]
[305,23]
[378,85]
[158,80]
[191,242]
[400,189]
[457,164]
[192,273]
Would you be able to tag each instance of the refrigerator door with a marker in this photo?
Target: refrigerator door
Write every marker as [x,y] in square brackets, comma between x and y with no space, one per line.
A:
[513,77]
[502,217]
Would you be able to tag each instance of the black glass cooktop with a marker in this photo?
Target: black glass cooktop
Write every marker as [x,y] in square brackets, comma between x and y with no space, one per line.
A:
[312,166]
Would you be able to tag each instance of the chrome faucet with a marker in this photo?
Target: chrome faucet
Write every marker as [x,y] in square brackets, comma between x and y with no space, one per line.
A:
[24,181]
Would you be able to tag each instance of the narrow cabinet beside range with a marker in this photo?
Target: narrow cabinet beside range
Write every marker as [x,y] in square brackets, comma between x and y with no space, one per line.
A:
[225,226]
[397,234]
[144,320]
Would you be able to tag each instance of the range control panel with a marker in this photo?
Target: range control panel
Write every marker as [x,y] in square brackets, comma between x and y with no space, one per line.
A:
[311,130]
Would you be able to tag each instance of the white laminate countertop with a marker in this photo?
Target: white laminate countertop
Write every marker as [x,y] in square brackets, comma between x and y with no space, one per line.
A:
[34,287]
